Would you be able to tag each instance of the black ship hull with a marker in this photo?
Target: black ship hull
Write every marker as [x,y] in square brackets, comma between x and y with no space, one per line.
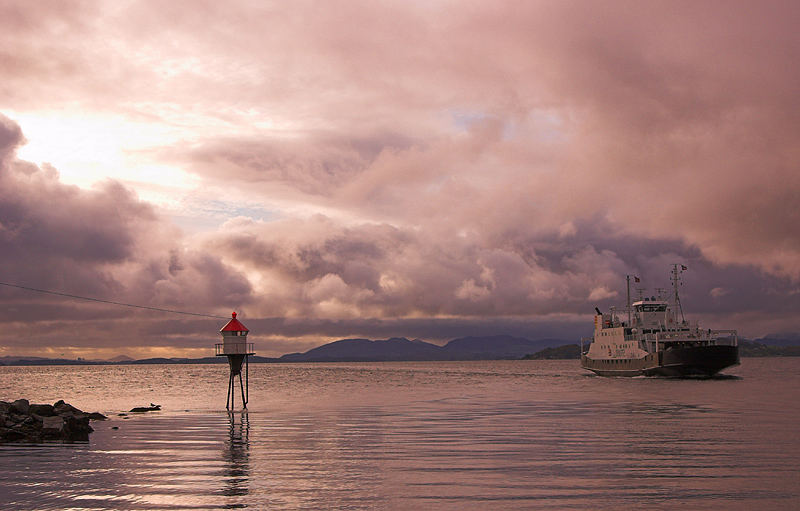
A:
[676,361]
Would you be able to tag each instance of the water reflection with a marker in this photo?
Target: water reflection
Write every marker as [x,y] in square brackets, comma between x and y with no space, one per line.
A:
[236,455]
[464,436]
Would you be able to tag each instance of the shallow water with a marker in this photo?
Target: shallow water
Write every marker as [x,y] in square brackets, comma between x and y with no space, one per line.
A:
[440,435]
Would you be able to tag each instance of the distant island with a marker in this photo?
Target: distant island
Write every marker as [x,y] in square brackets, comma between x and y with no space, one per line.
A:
[746,349]
[565,352]
[757,349]
[400,349]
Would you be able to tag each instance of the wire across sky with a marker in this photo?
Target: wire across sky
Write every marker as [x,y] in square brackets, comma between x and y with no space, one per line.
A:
[91,299]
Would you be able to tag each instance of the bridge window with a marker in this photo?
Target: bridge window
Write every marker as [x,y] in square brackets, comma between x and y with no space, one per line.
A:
[660,307]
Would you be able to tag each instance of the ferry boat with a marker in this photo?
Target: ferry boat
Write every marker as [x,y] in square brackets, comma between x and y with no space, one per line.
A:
[656,340]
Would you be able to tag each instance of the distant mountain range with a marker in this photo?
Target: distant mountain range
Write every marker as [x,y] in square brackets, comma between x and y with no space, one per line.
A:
[396,349]
[495,347]
[39,361]
[567,351]
[782,339]
[399,348]
[121,358]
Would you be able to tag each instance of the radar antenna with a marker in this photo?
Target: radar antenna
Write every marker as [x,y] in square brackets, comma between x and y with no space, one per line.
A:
[676,281]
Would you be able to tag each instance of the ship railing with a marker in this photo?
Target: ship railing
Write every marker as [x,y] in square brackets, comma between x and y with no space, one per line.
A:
[234,348]
[717,337]
[661,336]
[724,337]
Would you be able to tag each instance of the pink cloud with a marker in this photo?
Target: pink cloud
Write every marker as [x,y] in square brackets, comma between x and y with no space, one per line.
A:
[470,160]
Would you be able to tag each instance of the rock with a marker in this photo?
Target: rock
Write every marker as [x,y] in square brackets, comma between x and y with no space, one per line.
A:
[11,435]
[16,418]
[42,410]
[22,421]
[21,406]
[62,408]
[52,427]
[56,423]
[77,428]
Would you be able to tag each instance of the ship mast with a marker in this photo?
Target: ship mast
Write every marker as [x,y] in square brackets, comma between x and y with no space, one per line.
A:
[676,277]
[628,305]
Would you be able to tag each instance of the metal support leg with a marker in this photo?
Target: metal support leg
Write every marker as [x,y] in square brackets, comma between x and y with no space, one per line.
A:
[235,364]
[228,401]
[233,391]
[241,384]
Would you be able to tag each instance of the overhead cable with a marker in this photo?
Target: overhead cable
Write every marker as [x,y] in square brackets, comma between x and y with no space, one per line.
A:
[88,298]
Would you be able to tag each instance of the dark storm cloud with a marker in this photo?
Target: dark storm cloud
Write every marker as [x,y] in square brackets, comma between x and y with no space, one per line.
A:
[52,234]
[10,137]
[102,243]
[320,269]
[432,329]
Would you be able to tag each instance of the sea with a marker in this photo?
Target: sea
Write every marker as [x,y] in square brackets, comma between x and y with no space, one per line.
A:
[480,435]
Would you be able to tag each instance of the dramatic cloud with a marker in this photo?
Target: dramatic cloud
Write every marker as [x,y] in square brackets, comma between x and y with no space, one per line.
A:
[383,168]
[102,243]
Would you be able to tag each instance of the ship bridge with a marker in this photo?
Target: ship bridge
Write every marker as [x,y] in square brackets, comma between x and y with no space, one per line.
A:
[652,315]
[650,306]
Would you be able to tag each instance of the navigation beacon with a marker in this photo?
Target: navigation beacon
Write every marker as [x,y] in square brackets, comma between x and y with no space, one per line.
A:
[234,345]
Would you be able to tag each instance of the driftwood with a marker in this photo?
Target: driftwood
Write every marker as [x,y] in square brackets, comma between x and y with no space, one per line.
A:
[151,408]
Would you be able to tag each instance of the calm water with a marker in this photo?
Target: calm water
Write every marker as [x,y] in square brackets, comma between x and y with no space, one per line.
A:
[453,435]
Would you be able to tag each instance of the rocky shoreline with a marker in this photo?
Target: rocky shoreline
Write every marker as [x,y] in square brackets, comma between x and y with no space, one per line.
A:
[21,421]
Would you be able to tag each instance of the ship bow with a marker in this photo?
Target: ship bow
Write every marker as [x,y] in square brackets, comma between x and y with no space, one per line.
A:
[698,360]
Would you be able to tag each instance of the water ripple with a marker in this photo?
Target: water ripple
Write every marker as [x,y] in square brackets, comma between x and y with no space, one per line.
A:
[408,436]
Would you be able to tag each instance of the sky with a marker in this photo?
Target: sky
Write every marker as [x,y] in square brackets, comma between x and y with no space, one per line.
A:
[376,169]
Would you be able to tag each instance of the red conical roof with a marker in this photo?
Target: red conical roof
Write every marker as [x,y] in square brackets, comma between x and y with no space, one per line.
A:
[234,325]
